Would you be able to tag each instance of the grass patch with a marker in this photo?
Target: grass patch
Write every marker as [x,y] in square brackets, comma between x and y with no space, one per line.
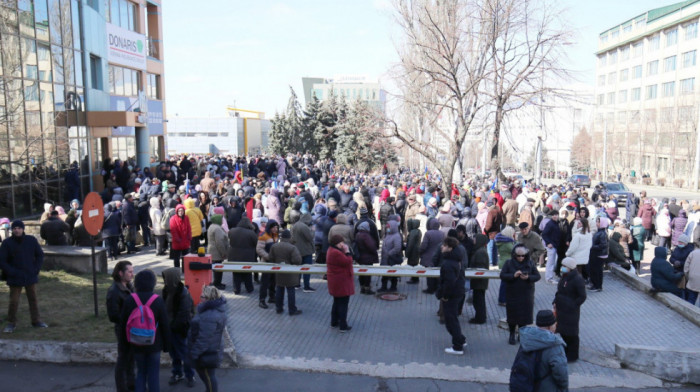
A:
[66,305]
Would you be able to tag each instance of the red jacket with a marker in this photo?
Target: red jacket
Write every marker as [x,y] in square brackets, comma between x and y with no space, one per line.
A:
[181,230]
[249,206]
[340,273]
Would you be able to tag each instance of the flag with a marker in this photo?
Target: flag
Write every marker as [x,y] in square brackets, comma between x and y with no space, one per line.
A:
[495,184]
[426,172]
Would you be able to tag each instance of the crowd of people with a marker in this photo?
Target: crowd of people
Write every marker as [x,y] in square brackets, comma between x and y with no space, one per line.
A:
[299,210]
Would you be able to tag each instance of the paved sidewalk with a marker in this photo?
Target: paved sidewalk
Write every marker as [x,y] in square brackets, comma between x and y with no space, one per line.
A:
[404,339]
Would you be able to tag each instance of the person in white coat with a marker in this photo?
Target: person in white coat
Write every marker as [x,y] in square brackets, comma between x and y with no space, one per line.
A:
[158,231]
[663,228]
[580,246]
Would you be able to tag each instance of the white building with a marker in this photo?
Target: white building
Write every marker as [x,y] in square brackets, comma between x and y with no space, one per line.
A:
[235,135]
[646,103]
[352,87]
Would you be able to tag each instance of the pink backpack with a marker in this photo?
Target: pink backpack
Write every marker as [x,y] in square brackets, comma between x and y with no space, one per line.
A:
[141,325]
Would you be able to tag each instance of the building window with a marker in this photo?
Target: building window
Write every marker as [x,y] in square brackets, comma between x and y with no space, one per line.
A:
[654,42]
[153,90]
[668,89]
[691,30]
[671,37]
[627,28]
[624,75]
[685,113]
[689,59]
[637,49]
[602,60]
[637,72]
[634,116]
[624,53]
[621,117]
[124,81]
[95,72]
[611,77]
[670,64]
[604,38]
[615,33]
[650,115]
[651,91]
[611,98]
[636,93]
[666,115]
[687,86]
[613,57]
[122,13]
[601,99]
[652,67]
[622,96]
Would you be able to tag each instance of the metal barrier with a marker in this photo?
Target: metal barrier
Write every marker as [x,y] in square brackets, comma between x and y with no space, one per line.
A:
[370,270]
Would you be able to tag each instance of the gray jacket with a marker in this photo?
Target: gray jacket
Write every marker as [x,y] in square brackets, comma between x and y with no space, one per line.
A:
[218,242]
[206,329]
[392,246]
[431,243]
[553,370]
[303,236]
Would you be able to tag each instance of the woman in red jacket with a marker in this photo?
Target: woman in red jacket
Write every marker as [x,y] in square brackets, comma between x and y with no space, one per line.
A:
[181,231]
[340,281]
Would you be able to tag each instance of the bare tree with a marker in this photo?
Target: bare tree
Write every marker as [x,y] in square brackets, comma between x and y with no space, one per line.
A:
[465,64]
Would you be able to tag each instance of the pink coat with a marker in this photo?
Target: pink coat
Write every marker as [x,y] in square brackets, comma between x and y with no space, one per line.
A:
[340,273]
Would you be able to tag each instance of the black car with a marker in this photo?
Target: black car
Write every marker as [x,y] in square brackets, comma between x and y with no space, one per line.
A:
[580,180]
[618,190]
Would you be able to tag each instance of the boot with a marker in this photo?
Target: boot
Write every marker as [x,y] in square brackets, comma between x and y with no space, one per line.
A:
[383,289]
[511,339]
[393,289]
[262,304]
[363,290]
[368,290]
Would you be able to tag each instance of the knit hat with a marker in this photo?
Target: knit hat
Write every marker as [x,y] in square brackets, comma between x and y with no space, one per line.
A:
[286,234]
[683,238]
[523,225]
[17,223]
[569,263]
[545,318]
[364,226]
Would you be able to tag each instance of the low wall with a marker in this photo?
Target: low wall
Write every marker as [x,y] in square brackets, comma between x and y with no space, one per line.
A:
[74,259]
[674,364]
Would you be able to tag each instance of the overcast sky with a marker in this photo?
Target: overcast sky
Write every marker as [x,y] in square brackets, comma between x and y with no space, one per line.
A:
[248,53]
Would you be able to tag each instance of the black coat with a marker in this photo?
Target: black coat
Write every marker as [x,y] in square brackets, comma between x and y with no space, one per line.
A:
[242,241]
[571,294]
[129,213]
[54,231]
[480,259]
[21,260]
[116,296]
[452,275]
[520,294]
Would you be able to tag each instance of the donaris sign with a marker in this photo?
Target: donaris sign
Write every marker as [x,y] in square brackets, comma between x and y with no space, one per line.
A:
[126,47]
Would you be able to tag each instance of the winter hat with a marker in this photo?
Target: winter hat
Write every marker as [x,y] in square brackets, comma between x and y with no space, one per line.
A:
[333,214]
[545,318]
[17,223]
[286,234]
[569,263]
[336,239]
[683,238]
[145,281]
[364,226]
[216,219]
[432,202]
[363,211]
[523,225]
[637,221]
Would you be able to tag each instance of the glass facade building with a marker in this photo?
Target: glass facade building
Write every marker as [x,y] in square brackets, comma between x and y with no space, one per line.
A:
[64,108]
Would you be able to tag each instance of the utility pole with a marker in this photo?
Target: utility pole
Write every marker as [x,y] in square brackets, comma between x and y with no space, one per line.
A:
[538,160]
[483,159]
[605,150]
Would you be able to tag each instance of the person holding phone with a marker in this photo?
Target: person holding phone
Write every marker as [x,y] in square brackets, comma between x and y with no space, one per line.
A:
[519,274]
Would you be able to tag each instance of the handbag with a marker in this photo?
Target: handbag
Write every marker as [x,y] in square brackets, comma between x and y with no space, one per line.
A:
[655,240]
[209,359]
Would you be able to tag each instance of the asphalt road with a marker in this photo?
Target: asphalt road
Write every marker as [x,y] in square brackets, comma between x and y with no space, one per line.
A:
[24,376]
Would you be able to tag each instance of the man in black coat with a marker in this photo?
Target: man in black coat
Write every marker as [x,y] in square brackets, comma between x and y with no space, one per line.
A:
[118,293]
[54,230]
[180,309]
[571,294]
[451,292]
[131,221]
[21,258]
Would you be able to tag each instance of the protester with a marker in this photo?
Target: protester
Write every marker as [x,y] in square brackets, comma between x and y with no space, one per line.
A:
[551,372]
[218,246]
[663,277]
[519,274]
[118,293]
[206,331]
[480,259]
[243,241]
[340,281]
[571,294]
[284,252]
[181,231]
[180,309]
[367,248]
[451,291]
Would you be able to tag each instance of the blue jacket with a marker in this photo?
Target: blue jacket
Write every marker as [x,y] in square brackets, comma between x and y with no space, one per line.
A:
[129,213]
[206,329]
[113,222]
[553,371]
[21,259]
[663,277]
[600,244]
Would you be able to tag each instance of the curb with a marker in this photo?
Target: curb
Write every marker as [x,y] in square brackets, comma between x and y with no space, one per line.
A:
[87,353]
[681,365]
[680,306]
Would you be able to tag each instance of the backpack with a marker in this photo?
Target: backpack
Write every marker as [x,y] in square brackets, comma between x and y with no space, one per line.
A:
[165,219]
[523,376]
[635,244]
[141,325]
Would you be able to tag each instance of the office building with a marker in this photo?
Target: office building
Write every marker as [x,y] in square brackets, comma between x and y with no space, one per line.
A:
[646,102]
[242,132]
[352,87]
[71,100]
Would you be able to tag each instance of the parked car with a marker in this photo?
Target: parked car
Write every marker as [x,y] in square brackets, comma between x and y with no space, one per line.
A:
[580,180]
[617,190]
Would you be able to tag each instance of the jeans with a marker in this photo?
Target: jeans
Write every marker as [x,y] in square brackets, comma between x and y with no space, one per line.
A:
[208,376]
[339,312]
[178,354]
[551,263]
[595,271]
[502,293]
[291,299]
[479,303]
[449,309]
[147,368]
[308,259]
[124,376]
[493,252]
[267,284]
[691,296]
[15,292]
[160,243]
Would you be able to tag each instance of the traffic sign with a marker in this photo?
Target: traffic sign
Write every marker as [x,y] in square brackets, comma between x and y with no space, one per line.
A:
[93,213]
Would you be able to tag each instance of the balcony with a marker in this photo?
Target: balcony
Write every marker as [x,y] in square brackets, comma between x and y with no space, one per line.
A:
[152,47]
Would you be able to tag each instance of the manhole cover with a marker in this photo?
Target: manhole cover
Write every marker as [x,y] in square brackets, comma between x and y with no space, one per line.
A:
[391,297]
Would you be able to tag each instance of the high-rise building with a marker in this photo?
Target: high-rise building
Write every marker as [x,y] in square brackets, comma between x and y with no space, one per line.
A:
[352,87]
[81,81]
[646,102]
